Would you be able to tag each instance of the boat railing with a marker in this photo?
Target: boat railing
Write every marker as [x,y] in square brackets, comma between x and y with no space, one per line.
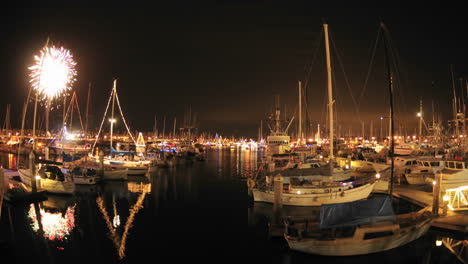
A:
[269,186]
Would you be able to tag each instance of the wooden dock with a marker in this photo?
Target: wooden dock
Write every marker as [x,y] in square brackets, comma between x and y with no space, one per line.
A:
[16,191]
[455,221]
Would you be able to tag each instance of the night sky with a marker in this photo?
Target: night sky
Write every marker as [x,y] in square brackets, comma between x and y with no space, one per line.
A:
[228,60]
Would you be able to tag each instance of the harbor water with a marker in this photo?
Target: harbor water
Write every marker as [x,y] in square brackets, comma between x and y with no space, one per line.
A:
[198,212]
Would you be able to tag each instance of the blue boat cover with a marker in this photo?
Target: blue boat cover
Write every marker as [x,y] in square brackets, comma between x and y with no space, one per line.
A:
[356,213]
[120,152]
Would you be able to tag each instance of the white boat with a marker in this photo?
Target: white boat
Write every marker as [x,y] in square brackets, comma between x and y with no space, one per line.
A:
[305,190]
[424,171]
[315,193]
[133,168]
[53,180]
[454,175]
[83,175]
[357,228]
[70,146]
[105,172]
[403,150]
[133,163]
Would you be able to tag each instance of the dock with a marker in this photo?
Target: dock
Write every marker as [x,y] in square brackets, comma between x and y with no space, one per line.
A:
[452,221]
[16,191]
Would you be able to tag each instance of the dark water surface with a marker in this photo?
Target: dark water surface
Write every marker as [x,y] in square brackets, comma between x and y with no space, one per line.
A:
[190,214]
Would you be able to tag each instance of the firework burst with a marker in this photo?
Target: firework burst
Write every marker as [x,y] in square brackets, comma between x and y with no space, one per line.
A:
[53,72]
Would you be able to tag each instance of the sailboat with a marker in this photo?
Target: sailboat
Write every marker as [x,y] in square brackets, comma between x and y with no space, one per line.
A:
[356,228]
[50,178]
[67,142]
[359,227]
[302,187]
[134,164]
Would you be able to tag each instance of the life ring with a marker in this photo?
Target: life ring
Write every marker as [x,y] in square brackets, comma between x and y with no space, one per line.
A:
[250,183]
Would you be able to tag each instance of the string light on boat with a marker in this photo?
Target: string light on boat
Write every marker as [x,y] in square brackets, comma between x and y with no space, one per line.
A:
[378,175]
[298,192]
[438,243]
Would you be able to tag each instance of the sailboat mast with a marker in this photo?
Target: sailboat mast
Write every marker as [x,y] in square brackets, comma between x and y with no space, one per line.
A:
[155,134]
[64,112]
[87,108]
[114,90]
[174,129]
[455,108]
[390,89]
[300,115]
[330,95]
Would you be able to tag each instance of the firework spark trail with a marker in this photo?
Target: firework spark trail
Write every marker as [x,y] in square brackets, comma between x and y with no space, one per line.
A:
[53,72]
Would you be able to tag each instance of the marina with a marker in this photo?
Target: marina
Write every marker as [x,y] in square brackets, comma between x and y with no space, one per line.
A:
[240,133]
[215,189]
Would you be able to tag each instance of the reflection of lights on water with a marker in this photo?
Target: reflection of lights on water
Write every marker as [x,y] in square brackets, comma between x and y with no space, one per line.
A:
[11,161]
[116,221]
[120,241]
[54,225]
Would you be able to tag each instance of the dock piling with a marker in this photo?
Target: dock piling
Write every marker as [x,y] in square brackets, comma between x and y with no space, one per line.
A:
[436,193]
[32,167]
[278,197]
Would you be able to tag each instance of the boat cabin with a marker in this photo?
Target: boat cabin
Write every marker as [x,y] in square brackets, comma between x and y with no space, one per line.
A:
[456,165]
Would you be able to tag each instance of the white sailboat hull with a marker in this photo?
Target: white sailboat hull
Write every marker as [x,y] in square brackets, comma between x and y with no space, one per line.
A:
[316,199]
[52,186]
[359,246]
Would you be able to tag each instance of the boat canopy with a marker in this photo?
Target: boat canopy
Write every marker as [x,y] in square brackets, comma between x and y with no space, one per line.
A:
[120,152]
[356,213]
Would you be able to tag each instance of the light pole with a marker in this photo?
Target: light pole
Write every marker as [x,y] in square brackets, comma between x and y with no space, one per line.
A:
[112,121]
[381,118]
[420,126]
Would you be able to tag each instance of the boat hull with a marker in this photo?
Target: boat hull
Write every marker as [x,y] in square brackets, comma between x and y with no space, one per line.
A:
[85,180]
[316,199]
[419,178]
[115,175]
[51,186]
[352,246]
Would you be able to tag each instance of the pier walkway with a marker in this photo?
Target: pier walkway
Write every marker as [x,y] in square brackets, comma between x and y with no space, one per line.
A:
[456,221]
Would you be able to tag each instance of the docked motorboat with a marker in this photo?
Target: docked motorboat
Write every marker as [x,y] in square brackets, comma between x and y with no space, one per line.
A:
[51,179]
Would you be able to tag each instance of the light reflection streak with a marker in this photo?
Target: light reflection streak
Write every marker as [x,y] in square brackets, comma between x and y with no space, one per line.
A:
[120,242]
